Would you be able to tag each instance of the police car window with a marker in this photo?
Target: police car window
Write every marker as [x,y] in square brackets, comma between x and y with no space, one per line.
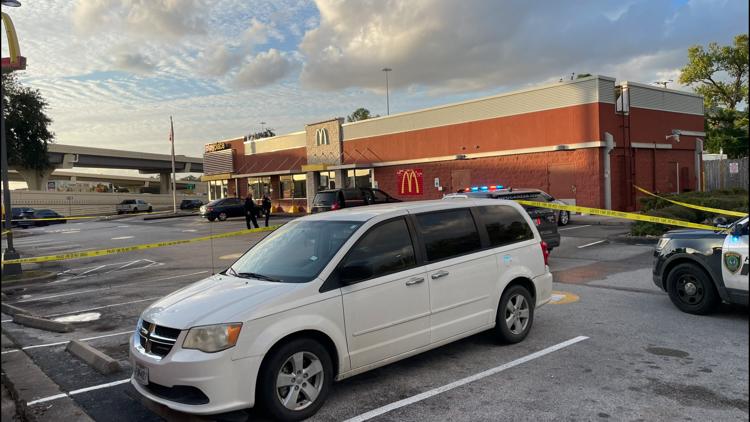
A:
[385,249]
[448,233]
[504,225]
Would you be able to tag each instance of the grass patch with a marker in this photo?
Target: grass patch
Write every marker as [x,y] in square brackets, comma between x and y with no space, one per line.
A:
[731,200]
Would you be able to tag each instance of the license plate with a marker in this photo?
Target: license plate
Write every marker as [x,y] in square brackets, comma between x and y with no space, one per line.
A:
[140,373]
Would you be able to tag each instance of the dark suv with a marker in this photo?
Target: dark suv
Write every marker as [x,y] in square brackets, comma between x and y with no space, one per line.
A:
[545,219]
[335,199]
[223,208]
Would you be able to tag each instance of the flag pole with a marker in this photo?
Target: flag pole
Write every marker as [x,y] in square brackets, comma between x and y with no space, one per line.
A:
[174,179]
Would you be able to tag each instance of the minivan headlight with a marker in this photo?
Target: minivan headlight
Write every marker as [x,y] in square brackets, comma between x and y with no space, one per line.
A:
[212,338]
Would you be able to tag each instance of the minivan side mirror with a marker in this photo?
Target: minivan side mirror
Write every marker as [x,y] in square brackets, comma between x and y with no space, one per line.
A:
[354,272]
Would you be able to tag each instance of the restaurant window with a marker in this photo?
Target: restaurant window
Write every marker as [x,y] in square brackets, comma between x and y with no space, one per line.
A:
[259,186]
[359,178]
[217,189]
[293,186]
[327,180]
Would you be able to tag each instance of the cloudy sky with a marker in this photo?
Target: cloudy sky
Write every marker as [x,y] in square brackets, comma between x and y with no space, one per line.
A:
[115,70]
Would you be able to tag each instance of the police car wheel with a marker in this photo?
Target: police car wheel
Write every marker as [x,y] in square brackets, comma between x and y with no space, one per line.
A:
[691,290]
[564,218]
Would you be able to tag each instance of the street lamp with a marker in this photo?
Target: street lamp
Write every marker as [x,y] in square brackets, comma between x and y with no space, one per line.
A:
[663,83]
[10,251]
[387,99]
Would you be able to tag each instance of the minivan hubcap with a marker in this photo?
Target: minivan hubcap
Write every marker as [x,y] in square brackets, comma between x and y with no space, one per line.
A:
[517,314]
[299,381]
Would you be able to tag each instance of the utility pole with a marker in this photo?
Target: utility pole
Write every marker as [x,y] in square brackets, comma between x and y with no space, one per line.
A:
[174,178]
[387,99]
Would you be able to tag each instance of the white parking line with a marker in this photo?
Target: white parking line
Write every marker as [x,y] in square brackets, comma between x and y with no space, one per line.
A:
[435,391]
[122,237]
[102,307]
[591,244]
[36,346]
[79,391]
[34,299]
[574,227]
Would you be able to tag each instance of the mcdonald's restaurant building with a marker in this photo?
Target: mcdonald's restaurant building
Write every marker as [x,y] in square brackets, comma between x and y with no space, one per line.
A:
[586,142]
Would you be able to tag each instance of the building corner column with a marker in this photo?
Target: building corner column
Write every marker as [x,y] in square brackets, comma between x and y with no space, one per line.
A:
[609,142]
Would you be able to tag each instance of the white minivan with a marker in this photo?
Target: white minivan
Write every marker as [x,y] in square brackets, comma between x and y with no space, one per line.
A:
[334,294]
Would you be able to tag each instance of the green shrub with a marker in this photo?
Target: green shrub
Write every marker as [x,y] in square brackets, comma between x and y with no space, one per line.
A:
[732,200]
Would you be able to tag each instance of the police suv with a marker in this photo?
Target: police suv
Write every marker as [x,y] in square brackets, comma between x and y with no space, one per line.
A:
[699,268]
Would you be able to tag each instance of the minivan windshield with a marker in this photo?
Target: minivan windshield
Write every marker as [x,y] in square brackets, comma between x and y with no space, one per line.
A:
[296,252]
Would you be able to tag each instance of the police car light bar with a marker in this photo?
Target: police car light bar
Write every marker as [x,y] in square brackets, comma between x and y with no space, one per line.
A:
[482,188]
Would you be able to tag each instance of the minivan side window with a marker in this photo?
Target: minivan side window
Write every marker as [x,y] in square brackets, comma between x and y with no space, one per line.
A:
[504,225]
[448,233]
[384,249]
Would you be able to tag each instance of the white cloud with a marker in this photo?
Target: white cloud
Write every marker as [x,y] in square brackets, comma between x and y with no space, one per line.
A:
[455,46]
[264,69]
[132,62]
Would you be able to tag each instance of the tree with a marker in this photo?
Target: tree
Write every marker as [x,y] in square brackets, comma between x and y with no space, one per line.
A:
[26,125]
[706,66]
[720,75]
[360,114]
[268,133]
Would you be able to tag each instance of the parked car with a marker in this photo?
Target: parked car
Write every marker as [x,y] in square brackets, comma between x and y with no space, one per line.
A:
[223,208]
[545,219]
[17,214]
[699,269]
[133,205]
[335,199]
[563,217]
[331,295]
[32,218]
[190,204]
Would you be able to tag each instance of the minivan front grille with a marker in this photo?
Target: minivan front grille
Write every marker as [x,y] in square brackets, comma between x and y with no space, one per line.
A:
[157,340]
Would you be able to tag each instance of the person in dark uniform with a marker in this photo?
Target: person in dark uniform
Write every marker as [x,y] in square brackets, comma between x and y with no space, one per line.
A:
[251,209]
[266,207]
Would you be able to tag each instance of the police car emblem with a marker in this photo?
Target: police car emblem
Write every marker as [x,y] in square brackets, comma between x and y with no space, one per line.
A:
[732,261]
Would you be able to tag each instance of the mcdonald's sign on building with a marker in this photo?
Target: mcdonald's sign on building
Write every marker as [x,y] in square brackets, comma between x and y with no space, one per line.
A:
[410,182]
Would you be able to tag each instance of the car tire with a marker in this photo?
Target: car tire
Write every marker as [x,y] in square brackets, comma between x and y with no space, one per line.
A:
[564,218]
[211,219]
[222,216]
[150,209]
[277,370]
[692,290]
[515,315]
[135,210]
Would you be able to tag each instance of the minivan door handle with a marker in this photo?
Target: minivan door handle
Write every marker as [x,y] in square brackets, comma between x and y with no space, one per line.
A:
[413,281]
[439,274]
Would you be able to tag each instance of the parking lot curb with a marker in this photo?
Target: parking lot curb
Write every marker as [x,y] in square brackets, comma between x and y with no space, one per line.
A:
[26,382]
[634,240]
[93,357]
[42,323]
[13,310]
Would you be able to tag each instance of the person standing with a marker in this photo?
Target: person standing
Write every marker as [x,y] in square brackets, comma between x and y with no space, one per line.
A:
[251,208]
[265,205]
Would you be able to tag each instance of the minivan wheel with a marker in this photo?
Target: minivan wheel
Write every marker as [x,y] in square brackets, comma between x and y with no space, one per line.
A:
[515,315]
[295,380]
[222,216]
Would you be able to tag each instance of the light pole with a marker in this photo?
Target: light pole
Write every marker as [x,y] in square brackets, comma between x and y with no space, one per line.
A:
[387,99]
[10,251]
[663,83]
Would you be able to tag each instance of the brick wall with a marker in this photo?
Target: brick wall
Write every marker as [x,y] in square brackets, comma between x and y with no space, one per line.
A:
[527,171]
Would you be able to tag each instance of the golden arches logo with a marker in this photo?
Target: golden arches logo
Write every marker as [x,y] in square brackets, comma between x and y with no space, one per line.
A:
[321,137]
[15,61]
[408,177]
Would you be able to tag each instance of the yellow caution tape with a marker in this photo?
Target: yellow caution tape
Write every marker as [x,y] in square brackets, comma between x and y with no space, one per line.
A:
[102,252]
[86,217]
[696,207]
[618,214]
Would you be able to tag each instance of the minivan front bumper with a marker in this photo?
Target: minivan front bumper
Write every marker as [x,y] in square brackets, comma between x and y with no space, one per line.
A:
[184,374]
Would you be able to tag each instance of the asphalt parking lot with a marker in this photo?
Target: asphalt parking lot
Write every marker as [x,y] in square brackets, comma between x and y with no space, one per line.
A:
[630,354]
